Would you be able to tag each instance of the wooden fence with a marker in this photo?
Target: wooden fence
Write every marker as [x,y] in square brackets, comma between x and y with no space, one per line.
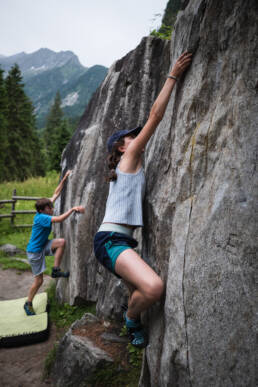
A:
[14,213]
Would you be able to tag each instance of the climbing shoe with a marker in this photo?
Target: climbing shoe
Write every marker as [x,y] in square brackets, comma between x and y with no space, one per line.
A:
[136,333]
[29,309]
[57,273]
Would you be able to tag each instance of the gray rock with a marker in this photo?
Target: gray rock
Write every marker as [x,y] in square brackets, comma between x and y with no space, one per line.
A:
[86,319]
[76,361]
[200,209]
[123,100]
[10,249]
[113,338]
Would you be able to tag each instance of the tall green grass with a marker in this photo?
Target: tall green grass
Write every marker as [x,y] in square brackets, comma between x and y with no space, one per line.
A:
[38,187]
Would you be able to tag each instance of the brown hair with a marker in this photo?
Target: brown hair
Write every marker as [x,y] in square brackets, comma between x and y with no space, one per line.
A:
[42,203]
[113,159]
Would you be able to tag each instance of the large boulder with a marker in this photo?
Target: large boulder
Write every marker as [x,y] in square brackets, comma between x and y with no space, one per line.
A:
[77,357]
[201,205]
[200,209]
[123,101]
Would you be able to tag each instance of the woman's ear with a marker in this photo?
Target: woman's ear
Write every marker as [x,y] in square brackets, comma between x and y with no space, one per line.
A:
[121,148]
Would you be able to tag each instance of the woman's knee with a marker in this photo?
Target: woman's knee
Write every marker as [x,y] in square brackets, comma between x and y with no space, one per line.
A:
[155,290]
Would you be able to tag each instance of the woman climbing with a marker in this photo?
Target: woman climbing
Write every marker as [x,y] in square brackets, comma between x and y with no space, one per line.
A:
[113,243]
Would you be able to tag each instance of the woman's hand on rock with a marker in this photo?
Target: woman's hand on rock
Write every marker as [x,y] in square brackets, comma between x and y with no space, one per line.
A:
[181,64]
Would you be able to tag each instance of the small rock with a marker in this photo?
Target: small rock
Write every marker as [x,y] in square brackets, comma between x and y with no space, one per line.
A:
[113,338]
[86,319]
[10,249]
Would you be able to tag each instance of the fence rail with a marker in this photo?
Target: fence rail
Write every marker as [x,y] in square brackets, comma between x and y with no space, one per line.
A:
[14,212]
[6,216]
[24,198]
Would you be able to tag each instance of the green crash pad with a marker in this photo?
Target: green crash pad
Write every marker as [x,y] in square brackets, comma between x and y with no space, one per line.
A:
[16,328]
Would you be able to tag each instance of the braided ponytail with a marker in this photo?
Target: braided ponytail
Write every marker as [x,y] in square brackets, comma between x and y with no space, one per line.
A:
[113,159]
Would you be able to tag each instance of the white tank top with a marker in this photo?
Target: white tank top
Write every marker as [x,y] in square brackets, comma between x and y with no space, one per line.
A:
[124,203]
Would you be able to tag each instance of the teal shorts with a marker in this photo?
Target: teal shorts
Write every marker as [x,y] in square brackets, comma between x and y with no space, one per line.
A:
[109,245]
[114,252]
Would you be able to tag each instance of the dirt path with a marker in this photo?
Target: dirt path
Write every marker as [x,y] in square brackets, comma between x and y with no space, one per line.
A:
[23,366]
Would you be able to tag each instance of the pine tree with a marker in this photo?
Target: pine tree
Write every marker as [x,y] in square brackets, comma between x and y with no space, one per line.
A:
[54,120]
[3,130]
[56,135]
[23,153]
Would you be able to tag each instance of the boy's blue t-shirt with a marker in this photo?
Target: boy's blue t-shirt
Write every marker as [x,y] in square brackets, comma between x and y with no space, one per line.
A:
[40,231]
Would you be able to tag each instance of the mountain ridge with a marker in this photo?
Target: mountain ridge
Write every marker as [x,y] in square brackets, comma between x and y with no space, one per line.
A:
[45,72]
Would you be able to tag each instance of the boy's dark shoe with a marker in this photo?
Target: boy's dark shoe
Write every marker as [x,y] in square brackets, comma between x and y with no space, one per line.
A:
[57,273]
[29,309]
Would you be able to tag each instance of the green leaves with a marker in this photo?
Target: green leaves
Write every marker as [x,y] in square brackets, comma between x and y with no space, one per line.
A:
[168,20]
[135,355]
[63,315]
[163,33]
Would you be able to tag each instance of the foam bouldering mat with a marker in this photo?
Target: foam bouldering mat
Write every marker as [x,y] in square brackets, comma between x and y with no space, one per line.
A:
[16,328]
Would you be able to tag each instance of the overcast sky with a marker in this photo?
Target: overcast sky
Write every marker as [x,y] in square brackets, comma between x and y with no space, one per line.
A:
[97,31]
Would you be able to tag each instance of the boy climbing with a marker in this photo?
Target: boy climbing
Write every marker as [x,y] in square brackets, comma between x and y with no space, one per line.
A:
[39,246]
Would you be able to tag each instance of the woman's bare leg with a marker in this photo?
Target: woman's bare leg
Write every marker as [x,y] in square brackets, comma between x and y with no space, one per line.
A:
[130,288]
[148,285]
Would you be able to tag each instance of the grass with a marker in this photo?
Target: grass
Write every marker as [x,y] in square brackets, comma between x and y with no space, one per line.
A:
[9,263]
[49,362]
[63,315]
[38,187]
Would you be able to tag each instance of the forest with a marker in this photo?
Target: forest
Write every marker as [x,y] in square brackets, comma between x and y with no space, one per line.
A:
[24,150]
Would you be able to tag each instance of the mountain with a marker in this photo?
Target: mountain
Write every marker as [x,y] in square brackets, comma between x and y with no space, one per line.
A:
[45,72]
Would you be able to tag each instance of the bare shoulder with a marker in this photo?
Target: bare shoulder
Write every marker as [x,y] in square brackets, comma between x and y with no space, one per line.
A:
[129,164]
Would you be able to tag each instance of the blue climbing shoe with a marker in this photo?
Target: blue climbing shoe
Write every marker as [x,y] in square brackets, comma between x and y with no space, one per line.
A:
[138,338]
[137,335]
[29,309]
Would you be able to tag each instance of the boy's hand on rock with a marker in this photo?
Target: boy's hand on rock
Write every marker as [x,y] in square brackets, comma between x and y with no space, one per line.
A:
[67,173]
[181,64]
[79,209]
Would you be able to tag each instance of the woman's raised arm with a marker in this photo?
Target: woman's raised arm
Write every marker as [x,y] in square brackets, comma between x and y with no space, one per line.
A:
[159,107]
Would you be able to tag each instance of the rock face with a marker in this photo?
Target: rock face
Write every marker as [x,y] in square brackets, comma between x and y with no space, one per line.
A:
[123,101]
[77,357]
[200,209]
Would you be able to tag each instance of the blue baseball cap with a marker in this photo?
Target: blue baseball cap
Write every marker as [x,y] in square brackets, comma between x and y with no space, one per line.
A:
[121,133]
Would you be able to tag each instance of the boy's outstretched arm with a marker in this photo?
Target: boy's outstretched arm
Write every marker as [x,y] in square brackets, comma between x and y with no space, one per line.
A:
[59,187]
[61,218]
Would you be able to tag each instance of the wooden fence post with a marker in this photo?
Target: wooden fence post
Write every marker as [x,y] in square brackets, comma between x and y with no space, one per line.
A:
[13,207]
